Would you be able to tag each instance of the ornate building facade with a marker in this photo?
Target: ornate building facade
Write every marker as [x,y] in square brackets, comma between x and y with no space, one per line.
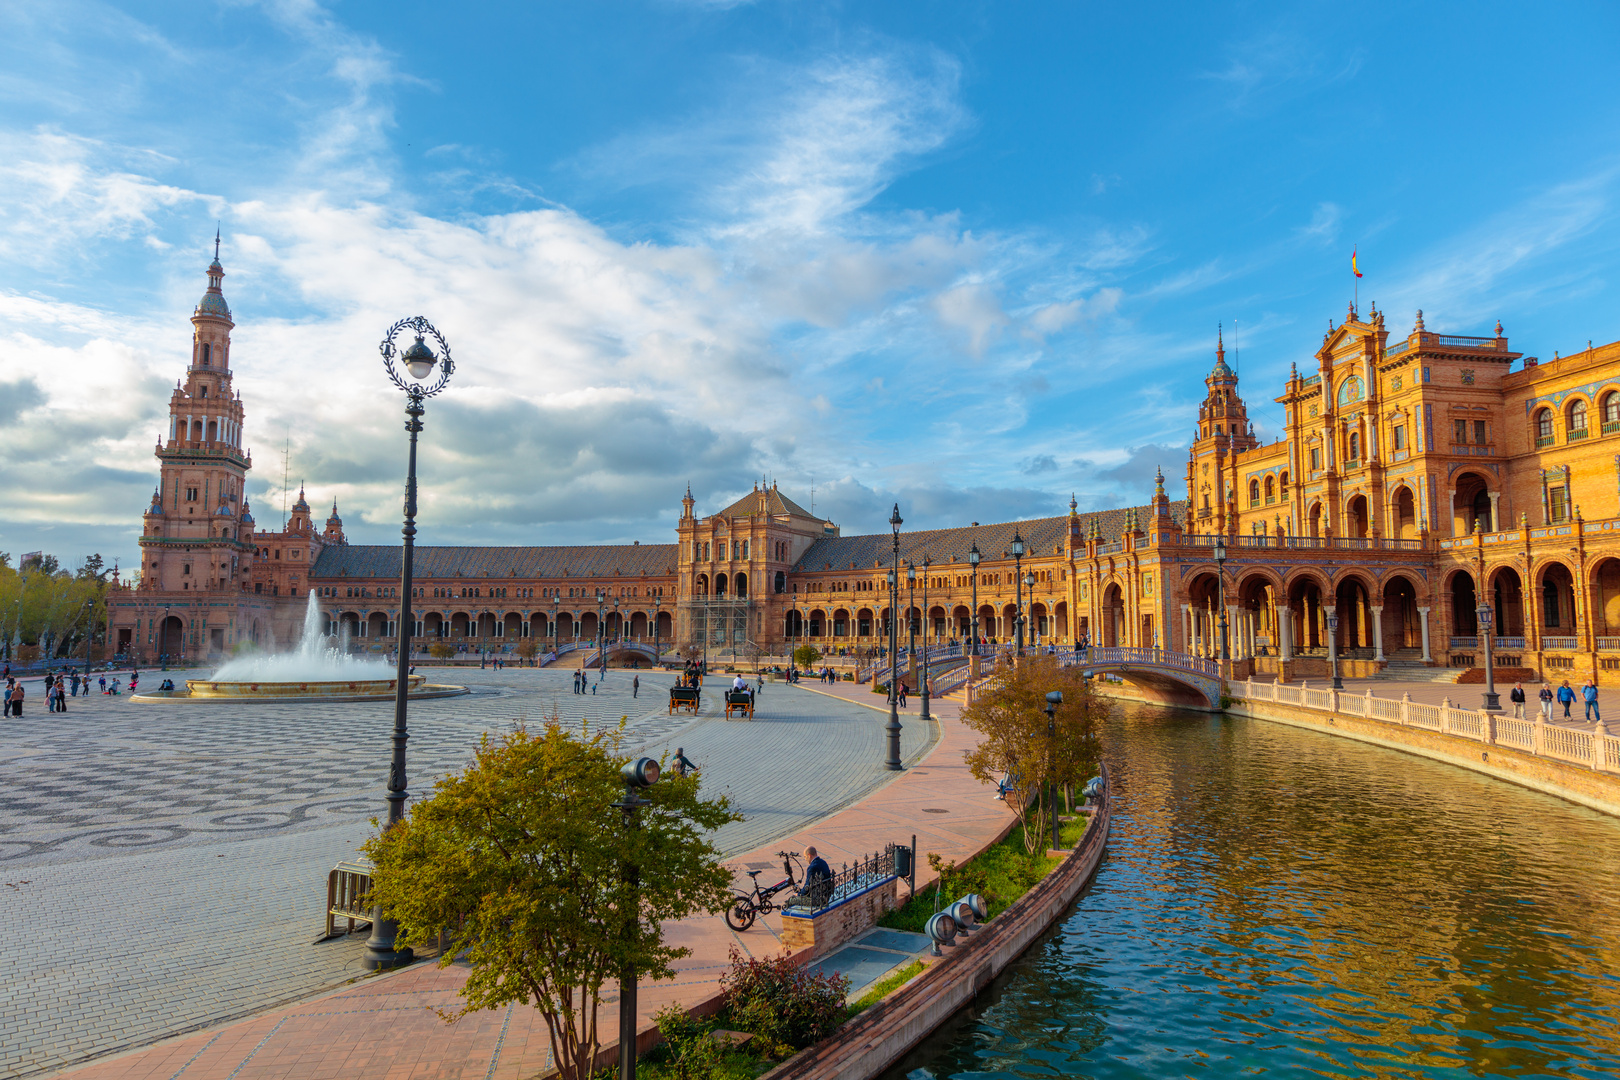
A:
[1413,479]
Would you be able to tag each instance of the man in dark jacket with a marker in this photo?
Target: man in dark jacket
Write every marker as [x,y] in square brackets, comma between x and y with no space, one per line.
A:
[818,879]
[1517,697]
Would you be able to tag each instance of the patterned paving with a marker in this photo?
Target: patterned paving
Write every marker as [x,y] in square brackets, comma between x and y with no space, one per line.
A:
[162,866]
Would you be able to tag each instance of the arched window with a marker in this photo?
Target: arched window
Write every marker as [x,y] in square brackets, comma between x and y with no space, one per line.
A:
[1577,419]
[1355,446]
[1611,412]
[1544,427]
[1254,493]
[207,354]
[1271,489]
[1283,483]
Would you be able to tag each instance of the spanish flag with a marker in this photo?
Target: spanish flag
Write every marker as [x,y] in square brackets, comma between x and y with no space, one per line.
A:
[1354,269]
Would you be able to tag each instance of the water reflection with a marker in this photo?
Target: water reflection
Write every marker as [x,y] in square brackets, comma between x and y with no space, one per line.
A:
[1281,901]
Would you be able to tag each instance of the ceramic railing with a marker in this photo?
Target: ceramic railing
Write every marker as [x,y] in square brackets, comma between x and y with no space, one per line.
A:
[1585,746]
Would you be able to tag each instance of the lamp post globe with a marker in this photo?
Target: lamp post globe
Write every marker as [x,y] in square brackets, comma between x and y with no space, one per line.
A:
[892,729]
[419,382]
[1484,614]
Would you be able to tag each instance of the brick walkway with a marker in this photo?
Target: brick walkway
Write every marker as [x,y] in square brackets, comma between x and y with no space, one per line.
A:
[382,1028]
[162,866]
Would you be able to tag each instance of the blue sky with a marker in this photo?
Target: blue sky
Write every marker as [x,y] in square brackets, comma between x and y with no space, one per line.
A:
[966,256]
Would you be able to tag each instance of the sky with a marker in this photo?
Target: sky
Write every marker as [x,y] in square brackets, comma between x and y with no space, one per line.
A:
[966,257]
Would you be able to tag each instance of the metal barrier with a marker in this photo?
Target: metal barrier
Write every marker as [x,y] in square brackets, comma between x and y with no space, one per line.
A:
[346,889]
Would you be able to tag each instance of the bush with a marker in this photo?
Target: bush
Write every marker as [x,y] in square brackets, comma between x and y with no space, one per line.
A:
[692,1054]
[782,1001]
[441,651]
[805,655]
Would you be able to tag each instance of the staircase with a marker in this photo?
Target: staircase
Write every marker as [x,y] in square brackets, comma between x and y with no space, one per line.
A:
[1404,665]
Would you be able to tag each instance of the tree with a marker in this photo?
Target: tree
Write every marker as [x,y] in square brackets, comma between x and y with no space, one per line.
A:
[94,568]
[528,648]
[805,655]
[1010,715]
[523,854]
[441,651]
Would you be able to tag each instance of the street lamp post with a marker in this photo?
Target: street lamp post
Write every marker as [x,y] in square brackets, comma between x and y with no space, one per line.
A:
[893,728]
[973,575]
[911,605]
[419,362]
[601,629]
[793,639]
[1018,585]
[658,610]
[927,622]
[1333,645]
[620,631]
[1493,702]
[1220,590]
[640,773]
[1029,583]
[556,631]
[1053,700]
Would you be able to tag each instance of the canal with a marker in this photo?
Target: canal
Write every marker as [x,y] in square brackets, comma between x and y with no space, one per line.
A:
[1281,902]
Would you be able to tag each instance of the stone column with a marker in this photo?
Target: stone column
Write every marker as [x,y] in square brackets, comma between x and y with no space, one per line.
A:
[1234,632]
[1285,633]
[1378,631]
[1423,613]
[1451,508]
[1186,619]
[1496,519]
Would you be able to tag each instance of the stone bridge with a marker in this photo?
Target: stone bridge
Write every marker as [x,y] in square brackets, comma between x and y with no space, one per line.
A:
[1170,677]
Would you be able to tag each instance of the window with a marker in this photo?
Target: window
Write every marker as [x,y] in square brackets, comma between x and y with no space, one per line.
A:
[1577,420]
[1399,436]
[207,356]
[1355,446]
[1254,493]
[1283,484]
[1271,490]
[1316,458]
[1479,432]
[1544,428]
[1558,503]
[1611,413]
[1459,431]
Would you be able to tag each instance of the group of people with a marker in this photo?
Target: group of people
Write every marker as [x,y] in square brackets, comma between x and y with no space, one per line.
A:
[59,686]
[1565,695]
[582,680]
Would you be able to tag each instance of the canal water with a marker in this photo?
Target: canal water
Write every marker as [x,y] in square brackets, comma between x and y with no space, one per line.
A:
[1281,902]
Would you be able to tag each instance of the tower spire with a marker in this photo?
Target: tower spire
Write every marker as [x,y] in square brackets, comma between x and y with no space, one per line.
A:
[216,241]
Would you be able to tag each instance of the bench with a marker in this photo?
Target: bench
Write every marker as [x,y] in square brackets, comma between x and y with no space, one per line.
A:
[741,701]
[684,697]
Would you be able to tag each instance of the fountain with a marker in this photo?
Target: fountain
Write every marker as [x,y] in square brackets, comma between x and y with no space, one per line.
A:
[314,672]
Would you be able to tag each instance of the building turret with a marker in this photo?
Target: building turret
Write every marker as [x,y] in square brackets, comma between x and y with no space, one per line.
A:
[334,527]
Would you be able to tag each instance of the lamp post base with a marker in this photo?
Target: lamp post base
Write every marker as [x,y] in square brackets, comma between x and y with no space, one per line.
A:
[1338,683]
[380,953]
[1493,701]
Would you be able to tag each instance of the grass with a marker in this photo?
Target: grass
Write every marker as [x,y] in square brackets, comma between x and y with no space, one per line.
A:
[885,986]
[1001,874]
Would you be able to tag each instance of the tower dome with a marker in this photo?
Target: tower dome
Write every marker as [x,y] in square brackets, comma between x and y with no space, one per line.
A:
[213,299]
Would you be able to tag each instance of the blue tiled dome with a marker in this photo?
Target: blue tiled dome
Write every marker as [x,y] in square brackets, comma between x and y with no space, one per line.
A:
[213,303]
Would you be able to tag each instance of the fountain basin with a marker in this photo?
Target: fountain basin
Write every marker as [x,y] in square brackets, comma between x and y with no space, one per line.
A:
[417,687]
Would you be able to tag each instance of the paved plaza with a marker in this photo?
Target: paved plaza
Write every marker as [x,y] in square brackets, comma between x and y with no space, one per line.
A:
[163,866]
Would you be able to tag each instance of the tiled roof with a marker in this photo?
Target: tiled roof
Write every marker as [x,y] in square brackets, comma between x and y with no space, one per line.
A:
[1043,537]
[578,561]
[775,504]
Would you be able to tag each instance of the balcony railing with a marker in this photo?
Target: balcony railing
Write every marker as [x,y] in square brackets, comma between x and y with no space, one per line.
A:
[1576,436]
[1563,643]
[1457,339]
[1611,427]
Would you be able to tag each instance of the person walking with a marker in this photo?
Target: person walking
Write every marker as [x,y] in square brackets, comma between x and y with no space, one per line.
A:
[1546,698]
[635,686]
[5,696]
[682,764]
[1589,694]
[75,684]
[16,699]
[61,696]
[1517,697]
[103,681]
[1566,697]
[902,694]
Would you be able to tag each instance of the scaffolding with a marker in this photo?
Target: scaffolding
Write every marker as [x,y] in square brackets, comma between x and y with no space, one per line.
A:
[719,624]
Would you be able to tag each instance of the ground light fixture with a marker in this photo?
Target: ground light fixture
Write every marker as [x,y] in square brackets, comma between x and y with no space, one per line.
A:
[637,774]
[419,383]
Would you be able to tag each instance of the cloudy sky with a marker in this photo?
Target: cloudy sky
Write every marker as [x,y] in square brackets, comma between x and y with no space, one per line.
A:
[966,256]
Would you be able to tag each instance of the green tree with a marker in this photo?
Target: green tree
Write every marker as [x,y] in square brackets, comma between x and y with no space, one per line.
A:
[521,858]
[1010,716]
[805,655]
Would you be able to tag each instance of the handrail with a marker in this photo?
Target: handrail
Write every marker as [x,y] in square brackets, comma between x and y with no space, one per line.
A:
[1591,747]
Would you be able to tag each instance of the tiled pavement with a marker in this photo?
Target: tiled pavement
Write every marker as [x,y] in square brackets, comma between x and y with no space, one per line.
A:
[382,1027]
[162,866]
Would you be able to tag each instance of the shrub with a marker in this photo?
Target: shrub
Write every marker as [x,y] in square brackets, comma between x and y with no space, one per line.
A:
[782,1001]
[805,655]
[693,1055]
[441,651]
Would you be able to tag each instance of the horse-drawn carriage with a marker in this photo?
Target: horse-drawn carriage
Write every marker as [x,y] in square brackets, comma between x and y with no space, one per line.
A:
[684,697]
[740,701]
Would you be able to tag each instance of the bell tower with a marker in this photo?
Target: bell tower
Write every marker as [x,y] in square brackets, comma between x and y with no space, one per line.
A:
[1223,431]
[197,532]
